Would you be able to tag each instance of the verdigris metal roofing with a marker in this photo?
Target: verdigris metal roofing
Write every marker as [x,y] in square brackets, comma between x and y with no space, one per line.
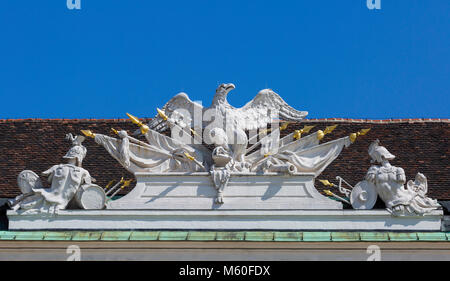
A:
[249,236]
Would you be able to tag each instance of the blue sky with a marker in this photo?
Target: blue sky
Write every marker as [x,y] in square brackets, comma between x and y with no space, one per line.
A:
[333,58]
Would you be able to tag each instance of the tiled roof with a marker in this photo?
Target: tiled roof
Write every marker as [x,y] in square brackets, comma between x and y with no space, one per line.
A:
[351,120]
[250,236]
[421,145]
[380,121]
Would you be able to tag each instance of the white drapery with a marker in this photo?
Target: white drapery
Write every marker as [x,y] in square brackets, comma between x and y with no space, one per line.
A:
[157,157]
[308,158]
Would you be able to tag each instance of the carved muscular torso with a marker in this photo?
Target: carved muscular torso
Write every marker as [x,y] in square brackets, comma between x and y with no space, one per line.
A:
[389,181]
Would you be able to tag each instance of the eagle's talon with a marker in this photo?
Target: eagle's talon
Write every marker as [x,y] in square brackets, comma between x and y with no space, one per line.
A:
[219,199]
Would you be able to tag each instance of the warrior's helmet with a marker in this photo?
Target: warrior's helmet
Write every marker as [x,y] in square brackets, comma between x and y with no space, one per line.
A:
[379,153]
[77,151]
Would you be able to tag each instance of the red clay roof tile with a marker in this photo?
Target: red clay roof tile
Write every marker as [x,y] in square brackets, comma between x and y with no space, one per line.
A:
[420,146]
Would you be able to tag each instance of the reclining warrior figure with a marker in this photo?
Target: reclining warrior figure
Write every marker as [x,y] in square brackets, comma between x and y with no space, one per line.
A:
[65,180]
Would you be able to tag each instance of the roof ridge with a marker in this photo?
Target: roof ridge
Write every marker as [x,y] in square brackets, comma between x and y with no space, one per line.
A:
[351,120]
[379,121]
[67,119]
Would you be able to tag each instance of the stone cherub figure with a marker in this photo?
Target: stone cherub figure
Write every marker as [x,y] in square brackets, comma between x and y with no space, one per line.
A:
[65,180]
[389,182]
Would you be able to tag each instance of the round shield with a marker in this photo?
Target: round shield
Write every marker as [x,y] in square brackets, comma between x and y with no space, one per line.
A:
[363,196]
[27,180]
[90,197]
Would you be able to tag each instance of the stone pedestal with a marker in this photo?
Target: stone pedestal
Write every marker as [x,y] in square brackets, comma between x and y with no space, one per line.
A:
[305,220]
[195,191]
[251,202]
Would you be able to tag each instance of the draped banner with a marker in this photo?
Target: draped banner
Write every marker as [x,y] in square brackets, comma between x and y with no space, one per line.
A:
[164,156]
[308,158]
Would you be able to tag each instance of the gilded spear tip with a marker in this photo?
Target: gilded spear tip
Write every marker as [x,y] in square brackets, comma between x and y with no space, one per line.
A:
[329,129]
[88,133]
[165,118]
[306,129]
[298,133]
[284,126]
[329,193]
[188,156]
[354,136]
[326,183]
[126,183]
[162,114]
[109,184]
[364,131]
[134,119]
[144,128]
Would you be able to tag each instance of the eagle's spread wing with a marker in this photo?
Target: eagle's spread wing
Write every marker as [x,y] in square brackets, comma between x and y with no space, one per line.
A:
[180,107]
[266,106]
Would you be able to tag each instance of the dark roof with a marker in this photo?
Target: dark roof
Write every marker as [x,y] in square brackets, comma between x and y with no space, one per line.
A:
[421,145]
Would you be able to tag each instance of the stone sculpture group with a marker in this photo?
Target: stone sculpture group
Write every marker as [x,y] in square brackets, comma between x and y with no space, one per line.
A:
[389,183]
[65,181]
[256,157]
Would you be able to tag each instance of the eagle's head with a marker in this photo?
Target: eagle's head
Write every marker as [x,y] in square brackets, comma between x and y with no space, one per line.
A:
[221,93]
[225,88]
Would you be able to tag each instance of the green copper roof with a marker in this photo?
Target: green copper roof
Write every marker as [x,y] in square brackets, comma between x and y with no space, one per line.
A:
[317,236]
[374,236]
[250,236]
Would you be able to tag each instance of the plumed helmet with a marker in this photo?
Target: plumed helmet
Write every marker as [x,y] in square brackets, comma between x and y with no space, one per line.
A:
[78,152]
[379,153]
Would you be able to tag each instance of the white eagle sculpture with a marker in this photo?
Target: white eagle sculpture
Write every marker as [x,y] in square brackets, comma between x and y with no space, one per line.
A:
[256,114]
[224,127]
